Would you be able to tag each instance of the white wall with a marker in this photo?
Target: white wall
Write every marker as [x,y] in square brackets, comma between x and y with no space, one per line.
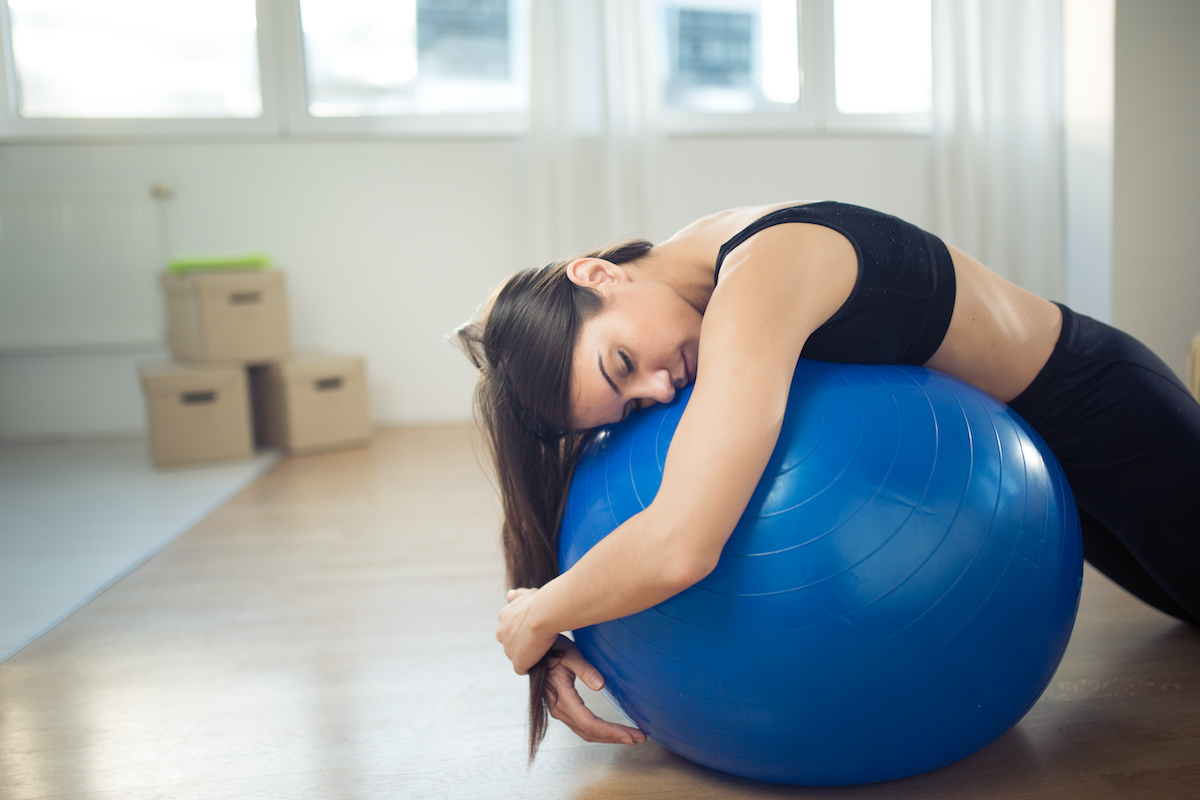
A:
[388,245]
[1156,174]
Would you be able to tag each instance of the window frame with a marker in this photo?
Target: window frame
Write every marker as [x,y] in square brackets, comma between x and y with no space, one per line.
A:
[15,128]
[282,76]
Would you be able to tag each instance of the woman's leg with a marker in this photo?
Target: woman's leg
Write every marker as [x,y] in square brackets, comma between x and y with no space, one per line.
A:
[1127,434]
[1104,551]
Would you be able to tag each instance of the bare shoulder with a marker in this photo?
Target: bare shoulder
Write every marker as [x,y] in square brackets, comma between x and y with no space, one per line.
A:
[805,270]
[808,270]
[708,233]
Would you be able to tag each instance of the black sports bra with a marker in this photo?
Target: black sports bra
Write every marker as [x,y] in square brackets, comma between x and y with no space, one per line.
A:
[902,301]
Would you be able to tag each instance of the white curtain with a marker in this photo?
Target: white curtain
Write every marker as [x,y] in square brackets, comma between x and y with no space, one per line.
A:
[592,148]
[998,142]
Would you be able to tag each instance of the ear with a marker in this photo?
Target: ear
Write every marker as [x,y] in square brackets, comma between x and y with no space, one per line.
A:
[596,273]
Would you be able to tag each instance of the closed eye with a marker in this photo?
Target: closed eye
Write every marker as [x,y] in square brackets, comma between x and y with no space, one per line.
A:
[628,363]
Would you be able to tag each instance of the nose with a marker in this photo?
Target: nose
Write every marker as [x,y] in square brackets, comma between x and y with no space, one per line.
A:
[659,388]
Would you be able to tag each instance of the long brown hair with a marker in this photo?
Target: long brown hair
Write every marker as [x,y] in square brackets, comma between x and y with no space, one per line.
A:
[522,343]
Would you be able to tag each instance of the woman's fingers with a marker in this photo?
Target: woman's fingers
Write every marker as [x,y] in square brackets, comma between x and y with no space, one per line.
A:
[571,711]
[569,707]
[574,661]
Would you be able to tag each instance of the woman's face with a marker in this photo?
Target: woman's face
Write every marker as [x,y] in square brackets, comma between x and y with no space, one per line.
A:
[639,350]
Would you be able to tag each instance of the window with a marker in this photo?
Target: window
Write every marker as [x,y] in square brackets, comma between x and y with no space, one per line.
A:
[437,67]
[882,56]
[135,58]
[81,68]
[732,57]
[735,65]
[396,57]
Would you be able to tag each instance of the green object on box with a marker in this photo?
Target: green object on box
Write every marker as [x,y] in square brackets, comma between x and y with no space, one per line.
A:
[180,265]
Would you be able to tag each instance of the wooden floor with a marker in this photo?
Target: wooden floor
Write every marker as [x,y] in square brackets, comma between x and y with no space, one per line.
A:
[328,634]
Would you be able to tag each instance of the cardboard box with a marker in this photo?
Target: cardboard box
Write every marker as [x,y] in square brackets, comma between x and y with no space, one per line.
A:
[312,403]
[197,412]
[221,317]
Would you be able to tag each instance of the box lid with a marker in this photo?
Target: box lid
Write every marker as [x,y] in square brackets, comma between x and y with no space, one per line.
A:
[315,366]
[170,377]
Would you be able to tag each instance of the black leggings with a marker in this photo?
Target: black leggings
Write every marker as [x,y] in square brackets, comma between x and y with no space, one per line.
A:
[1127,434]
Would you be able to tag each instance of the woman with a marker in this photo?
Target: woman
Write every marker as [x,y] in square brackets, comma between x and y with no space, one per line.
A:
[746,292]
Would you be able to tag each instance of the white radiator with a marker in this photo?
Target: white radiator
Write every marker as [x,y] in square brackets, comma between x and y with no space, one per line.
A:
[77,269]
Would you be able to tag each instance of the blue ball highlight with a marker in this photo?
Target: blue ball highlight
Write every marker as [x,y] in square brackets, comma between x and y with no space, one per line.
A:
[897,595]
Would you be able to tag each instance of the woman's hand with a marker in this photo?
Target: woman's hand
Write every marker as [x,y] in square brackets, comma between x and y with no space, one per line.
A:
[568,708]
[523,645]
[525,648]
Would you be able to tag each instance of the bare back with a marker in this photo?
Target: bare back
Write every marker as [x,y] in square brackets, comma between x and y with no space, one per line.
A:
[1000,336]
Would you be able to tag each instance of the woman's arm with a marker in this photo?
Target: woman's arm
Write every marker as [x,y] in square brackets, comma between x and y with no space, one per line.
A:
[775,290]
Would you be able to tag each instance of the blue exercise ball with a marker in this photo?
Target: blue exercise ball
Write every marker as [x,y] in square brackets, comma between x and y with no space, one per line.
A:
[897,594]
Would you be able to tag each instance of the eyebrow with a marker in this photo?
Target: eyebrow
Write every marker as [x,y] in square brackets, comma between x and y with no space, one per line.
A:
[600,363]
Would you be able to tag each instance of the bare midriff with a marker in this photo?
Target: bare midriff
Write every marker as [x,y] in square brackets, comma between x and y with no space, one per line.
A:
[1000,335]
